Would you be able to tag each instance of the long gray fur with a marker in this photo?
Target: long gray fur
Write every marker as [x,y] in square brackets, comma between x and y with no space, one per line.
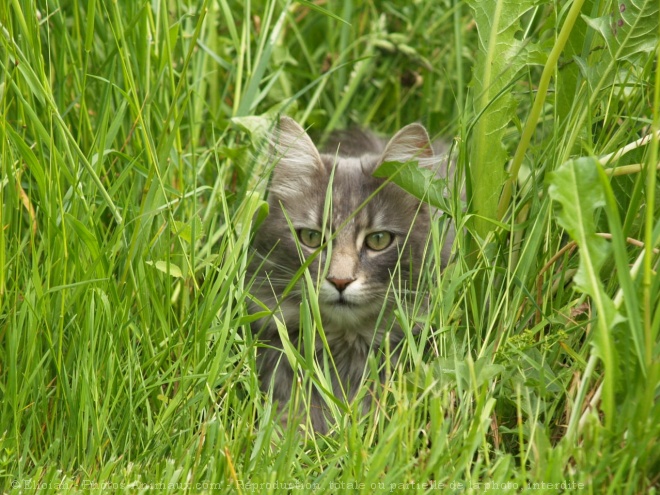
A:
[300,181]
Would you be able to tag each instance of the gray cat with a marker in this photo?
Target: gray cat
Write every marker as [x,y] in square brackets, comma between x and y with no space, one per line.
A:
[373,249]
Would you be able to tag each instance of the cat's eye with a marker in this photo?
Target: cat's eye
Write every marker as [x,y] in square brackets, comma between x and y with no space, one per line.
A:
[310,238]
[377,241]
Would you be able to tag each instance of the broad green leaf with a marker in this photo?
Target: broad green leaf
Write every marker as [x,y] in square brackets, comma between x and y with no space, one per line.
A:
[172,270]
[501,56]
[576,187]
[420,182]
[630,296]
[631,30]
[257,127]
[185,230]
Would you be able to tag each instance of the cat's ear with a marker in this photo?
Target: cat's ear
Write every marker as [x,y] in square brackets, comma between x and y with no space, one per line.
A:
[410,143]
[293,149]
[297,161]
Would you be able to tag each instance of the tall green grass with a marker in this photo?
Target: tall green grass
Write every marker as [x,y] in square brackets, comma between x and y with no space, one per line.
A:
[132,175]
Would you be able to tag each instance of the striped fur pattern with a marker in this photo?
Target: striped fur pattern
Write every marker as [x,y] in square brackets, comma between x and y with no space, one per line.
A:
[350,308]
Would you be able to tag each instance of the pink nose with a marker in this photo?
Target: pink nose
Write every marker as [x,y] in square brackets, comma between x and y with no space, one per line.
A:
[340,283]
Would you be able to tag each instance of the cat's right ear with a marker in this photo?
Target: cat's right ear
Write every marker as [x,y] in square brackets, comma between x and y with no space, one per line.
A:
[292,149]
[296,159]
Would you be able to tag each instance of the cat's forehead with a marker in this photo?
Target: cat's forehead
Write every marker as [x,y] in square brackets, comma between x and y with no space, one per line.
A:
[352,184]
[355,167]
[357,195]
[359,200]
[352,174]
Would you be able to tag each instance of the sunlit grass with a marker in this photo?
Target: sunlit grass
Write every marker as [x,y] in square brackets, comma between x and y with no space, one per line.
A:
[132,174]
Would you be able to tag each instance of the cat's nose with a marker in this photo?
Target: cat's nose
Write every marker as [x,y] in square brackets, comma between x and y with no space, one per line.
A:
[340,283]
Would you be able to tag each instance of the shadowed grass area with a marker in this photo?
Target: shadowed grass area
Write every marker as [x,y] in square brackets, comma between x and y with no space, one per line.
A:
[132,175]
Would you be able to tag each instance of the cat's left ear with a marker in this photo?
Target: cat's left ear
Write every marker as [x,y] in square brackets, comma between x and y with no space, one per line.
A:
[410,143]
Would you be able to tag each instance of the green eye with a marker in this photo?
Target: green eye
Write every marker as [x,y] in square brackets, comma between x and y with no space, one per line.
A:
[310,238]
[378,241]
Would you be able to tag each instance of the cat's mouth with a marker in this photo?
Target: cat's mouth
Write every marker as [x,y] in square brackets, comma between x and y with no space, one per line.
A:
[347,300]
[342,302]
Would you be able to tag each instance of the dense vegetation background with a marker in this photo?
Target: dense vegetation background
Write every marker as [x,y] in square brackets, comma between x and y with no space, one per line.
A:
[132,174]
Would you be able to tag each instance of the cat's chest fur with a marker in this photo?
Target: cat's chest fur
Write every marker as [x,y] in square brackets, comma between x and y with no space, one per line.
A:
[362,240]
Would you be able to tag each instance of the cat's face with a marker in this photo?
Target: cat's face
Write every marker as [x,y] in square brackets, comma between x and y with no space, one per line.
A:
[363,245]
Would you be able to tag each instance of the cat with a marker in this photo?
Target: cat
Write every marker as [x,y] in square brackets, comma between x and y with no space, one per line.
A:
[370,245]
